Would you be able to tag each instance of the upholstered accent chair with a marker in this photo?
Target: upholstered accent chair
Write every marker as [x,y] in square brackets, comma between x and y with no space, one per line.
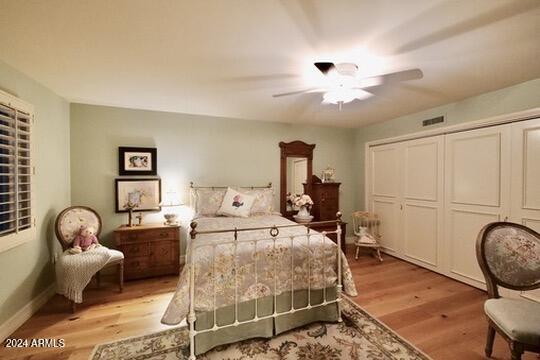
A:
[366,230]
[509,256]
[67,226]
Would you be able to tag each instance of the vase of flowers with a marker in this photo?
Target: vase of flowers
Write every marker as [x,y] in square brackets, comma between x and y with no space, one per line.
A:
[303,203]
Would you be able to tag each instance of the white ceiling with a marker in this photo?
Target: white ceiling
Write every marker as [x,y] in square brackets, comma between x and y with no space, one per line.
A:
[227,57]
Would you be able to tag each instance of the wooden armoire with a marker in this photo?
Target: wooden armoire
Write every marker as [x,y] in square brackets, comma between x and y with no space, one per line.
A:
[326,200]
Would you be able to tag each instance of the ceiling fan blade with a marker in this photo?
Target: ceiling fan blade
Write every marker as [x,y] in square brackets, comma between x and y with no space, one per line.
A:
[391,78]
[256,78]
[324,67]
[299,92]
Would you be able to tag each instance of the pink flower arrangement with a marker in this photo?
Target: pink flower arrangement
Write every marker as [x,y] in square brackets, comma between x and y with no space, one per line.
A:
[299,201]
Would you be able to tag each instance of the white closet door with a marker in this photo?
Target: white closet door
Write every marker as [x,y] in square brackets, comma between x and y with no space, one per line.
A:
[477,190]
[422,211]
[384,194]
[525,194]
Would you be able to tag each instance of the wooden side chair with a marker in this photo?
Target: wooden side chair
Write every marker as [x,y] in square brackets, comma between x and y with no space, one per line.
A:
[67,226]
[509,256]
[366,230]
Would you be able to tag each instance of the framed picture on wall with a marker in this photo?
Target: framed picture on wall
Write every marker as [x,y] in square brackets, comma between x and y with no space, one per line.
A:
[137,161]
[139,194]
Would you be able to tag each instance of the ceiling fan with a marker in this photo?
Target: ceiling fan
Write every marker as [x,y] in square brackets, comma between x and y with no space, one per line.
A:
[345,85]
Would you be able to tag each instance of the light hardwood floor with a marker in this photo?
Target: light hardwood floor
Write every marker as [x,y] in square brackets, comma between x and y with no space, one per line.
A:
[441,316]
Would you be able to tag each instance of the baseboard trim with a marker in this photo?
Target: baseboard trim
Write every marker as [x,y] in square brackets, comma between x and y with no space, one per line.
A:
[26,312]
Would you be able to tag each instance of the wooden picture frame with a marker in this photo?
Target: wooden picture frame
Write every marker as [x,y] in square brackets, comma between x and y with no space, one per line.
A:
[149,193]
[137,161]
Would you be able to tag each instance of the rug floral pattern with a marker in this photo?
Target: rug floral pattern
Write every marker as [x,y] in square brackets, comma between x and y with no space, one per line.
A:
[359,336]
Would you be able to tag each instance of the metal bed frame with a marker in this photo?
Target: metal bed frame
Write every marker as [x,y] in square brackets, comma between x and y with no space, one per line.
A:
[274,236]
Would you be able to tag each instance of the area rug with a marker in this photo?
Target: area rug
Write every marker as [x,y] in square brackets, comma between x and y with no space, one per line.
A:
[359,336]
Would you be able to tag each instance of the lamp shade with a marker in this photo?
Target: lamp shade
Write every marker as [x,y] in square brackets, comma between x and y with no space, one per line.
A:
[170,199]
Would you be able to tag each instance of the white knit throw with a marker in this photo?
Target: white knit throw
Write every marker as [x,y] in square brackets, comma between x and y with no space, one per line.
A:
[74,271]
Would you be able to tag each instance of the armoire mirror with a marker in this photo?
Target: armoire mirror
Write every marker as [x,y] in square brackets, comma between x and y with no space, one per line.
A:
[296,170]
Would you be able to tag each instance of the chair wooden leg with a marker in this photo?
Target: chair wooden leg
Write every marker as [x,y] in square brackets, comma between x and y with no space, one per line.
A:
[121,276]
[73,307]
[379,255]
[98,279]
[489,342]
[517,350]
[357,252]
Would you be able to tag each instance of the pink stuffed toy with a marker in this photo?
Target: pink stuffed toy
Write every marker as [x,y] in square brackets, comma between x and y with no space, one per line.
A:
[86,240]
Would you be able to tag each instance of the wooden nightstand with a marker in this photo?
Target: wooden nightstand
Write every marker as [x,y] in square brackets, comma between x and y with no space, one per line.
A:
[149,250]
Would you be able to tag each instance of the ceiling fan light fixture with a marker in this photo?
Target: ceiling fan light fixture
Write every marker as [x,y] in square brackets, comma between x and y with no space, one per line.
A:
[344,95]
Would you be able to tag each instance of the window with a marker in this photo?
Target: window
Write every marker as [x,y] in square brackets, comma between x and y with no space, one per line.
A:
[16,173]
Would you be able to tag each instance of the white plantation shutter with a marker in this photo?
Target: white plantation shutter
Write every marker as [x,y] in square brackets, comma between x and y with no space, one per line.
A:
[16,173]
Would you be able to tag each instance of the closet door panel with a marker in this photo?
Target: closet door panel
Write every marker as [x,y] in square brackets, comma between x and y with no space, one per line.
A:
[385,193]
[421,232]
[477,192]
[385,170]
[421,170]
[525,195]
[532,223]
[476,169]
[422,195]
[388,212]
[463,229]
[530,157]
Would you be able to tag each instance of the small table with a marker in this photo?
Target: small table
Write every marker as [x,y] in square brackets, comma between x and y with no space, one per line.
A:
[333,237]
[149,250]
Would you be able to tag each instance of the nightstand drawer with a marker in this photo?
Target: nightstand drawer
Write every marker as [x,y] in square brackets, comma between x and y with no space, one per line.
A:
[163,253]
[166,234]
[141,249]
[136,264]
[132,236]
[149,250]
[149,235]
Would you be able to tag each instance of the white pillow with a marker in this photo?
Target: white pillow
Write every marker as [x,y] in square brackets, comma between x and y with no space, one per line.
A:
[264,201]
[236,204]
[206,202]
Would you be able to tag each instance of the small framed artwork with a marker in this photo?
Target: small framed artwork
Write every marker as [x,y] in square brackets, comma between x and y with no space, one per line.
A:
[138,195]
[137,161]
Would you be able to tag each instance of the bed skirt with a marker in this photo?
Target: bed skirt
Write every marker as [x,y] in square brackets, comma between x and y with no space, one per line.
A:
[264,328]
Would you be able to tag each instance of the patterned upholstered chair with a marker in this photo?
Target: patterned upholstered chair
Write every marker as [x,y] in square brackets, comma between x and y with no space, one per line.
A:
[67,225]
[509,256]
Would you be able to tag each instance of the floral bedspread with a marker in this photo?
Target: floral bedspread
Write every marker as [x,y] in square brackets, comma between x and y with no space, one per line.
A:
[260,269]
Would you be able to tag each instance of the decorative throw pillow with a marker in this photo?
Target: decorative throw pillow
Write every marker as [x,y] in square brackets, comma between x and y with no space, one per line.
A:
[206,202]
[236,204]
[264,201]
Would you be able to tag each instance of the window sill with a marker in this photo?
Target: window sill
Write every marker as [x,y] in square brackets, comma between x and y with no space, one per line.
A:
[10,241]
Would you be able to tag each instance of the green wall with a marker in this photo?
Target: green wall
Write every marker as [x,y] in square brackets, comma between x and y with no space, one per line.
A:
[503,101]
[206,150]
[27,270]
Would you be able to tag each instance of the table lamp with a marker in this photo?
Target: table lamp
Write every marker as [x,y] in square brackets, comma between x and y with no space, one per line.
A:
[171,200]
